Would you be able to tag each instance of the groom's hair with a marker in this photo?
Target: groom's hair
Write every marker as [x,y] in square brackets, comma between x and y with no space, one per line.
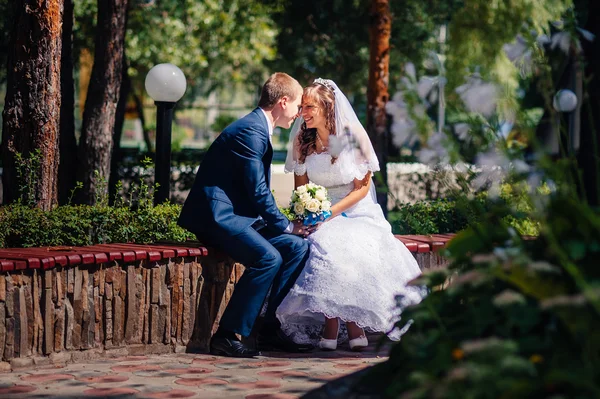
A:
[278,85]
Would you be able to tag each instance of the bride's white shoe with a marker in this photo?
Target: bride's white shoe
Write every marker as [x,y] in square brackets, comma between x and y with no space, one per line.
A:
[330,344]
[358,344]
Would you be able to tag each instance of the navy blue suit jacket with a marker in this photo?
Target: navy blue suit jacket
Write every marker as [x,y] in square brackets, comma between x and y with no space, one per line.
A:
[232,188]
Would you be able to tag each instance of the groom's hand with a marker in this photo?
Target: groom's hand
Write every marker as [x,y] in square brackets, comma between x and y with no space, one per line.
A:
[300,229]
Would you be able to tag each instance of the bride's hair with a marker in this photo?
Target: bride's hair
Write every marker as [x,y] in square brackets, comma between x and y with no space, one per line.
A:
[307,138]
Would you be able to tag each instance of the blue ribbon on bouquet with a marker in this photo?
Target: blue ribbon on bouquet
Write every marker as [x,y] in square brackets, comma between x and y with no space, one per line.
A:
[312,218]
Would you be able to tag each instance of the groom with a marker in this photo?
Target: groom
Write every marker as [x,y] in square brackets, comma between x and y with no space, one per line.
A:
[231,207]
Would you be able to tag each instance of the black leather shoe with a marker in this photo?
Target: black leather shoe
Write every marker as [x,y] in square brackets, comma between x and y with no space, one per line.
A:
[277,341]
[231,348]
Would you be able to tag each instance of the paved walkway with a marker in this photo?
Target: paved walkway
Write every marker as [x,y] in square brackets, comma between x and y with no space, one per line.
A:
[272,376]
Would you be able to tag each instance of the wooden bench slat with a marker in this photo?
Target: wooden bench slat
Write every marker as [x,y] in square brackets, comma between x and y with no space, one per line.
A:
[433,243]
[32,262]
[7,265]
[150,252]
[42,253]
[127,255]
[413,246]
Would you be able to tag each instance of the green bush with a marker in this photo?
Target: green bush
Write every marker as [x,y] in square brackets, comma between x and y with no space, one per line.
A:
[451,216]
[21,226]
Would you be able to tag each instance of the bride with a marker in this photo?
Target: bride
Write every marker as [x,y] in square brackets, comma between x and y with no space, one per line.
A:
[356,267]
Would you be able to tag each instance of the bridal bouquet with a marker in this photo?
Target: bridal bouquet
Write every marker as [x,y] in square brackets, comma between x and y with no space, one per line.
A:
[310,203]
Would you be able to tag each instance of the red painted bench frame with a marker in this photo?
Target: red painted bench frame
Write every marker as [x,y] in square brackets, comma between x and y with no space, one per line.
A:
[12,259]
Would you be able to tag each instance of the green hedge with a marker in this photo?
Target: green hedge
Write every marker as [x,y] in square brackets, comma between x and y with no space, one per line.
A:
[446,216]
[21,226]
[430,217]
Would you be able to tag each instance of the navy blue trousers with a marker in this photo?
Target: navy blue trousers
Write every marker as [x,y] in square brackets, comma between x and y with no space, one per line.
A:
[272,260]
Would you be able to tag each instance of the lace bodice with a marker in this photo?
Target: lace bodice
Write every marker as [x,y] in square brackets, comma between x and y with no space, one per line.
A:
[337,178]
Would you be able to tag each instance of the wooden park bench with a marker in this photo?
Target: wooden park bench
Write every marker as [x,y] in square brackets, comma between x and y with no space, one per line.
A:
[62,304]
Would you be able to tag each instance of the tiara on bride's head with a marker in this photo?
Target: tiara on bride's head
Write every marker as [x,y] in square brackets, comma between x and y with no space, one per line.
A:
[324,82]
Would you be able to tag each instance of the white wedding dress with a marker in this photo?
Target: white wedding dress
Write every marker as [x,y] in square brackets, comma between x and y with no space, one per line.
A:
[356,267]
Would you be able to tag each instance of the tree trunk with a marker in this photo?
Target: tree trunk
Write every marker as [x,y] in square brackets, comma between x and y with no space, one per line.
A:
[95,144]
[118,133]
[68,144]
[589,150]
[31,115]
[380,26]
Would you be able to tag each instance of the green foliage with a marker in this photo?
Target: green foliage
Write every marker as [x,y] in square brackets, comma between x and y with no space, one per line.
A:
[451,216]
[21,226]
[520,317]
[511,317]
[221,122]
[430,217]
[27,168]
[213,42]
[288,213]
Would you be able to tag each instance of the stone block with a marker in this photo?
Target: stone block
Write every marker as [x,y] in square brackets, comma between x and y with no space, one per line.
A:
[60,358]
[24,342]
[133,329]
[157,349]
[21,363]
[70,280]
[41,360]
[9,346]
[102,275]
[2,328]
[116,352]
[31,322]
[155,333]
[5,367]
[59,327]
[38,331]
[2,289]
[86,355]
[136,349]
[48,316]
[156,284]
[118,321]
[69,325]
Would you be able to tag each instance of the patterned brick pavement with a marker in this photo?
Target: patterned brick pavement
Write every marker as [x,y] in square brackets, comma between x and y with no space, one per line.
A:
[271,376]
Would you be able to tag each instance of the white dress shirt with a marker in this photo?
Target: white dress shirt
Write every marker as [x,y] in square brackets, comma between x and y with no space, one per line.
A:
[290,227]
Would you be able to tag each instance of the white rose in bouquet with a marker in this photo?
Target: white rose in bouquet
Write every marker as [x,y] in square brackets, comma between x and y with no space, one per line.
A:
[313,205]
[298,209]
[325,205]
[304,198]
[311,186]
[321,195]
[301,190]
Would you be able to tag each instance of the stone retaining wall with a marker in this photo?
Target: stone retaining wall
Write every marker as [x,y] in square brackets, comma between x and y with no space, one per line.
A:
[115,309]
[83,311]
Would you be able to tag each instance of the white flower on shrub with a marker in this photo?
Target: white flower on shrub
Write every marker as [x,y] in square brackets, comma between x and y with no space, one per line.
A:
[424,86]
[478,96]
[321,195]
[435,151]
[298,209]
[325,205]
[313,205]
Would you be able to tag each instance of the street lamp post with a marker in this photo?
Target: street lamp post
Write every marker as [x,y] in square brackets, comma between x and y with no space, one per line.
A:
[165,84]
[566,101]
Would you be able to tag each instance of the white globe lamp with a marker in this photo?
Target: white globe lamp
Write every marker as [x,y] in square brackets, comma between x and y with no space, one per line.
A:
[165,84]
[564,101]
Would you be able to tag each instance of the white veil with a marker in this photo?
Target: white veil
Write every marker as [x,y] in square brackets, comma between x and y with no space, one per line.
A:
[350,144]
